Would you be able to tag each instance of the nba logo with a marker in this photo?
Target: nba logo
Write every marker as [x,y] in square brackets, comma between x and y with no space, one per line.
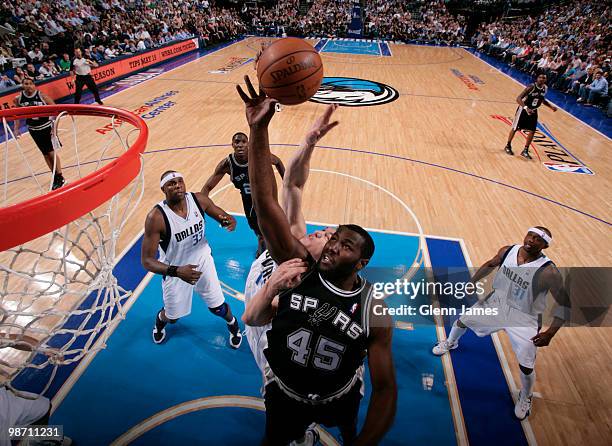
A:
[570,168]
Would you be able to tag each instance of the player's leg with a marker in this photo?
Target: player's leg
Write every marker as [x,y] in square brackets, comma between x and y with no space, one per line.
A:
[91,84]
[286,419]
[520,334]
[513,129]
[477,320]
[525,153]
[176,294]
[79,84]
[342,413]
[452,341]
[209,289]
[44,141]
[508,147]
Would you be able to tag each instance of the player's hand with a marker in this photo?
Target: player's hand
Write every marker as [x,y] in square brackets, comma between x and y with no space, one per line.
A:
[228,222]
[259,107]
[530,111]
[188,273]
[321,126]
[542,339]
[287,275]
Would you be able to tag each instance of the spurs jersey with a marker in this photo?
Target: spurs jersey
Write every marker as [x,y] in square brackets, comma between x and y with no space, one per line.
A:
[184,242]
[30,101]
[535,97]
[518,284]
[239,174]
[318,339]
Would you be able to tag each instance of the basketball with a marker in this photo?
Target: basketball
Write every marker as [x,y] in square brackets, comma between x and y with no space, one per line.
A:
[290,71]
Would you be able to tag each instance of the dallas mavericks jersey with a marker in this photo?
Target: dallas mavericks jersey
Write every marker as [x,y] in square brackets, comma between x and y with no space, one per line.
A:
[239,174]
[184,242]
[318,339]
[518,283]
[261,270]
[30,101]
[535,97]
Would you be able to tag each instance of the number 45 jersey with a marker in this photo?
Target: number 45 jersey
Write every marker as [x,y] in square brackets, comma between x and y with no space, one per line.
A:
[318,339]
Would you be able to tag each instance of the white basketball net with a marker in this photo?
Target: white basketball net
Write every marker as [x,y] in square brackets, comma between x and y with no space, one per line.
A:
[58,294]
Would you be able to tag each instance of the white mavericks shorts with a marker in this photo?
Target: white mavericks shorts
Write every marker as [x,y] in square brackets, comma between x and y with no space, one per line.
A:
[178,294]
[519,326]
[18,411]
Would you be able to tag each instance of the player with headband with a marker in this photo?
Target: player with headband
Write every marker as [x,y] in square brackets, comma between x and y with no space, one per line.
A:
[515,305]
[176,225]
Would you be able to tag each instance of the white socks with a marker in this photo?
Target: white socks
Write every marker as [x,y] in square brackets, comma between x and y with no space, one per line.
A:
[528,381]
[455,333]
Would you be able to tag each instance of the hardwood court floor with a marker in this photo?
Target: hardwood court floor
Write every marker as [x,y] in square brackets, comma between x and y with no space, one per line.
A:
[439,150]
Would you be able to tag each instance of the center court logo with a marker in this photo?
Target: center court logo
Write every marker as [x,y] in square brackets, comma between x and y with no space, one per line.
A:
[353,92]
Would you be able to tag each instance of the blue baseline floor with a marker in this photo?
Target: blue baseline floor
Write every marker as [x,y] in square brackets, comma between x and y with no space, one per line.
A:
[133,379]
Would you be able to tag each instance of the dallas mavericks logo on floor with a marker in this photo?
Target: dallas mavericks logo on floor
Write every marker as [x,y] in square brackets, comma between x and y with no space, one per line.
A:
[353,92]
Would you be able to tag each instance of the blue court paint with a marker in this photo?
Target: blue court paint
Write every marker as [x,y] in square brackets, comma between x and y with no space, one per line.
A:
[360,47]
[385,50]
[486,403]
[134,379]
[591,116]
[320,44]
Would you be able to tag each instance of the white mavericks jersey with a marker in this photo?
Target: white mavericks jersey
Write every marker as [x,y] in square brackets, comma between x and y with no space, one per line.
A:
[261,270]
[516,283]
[184,242]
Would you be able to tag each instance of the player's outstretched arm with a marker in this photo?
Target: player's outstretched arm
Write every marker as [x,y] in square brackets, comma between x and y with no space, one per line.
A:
[262,307]
[272,220]
[154,228]
[487,267]
[298,170]
[215,212]
[221,170]
[551,279]
[383,401]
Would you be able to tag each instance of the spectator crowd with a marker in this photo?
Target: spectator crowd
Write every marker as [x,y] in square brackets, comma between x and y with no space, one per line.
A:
[38,37]
[570,43]
[328,18]
[423,21]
